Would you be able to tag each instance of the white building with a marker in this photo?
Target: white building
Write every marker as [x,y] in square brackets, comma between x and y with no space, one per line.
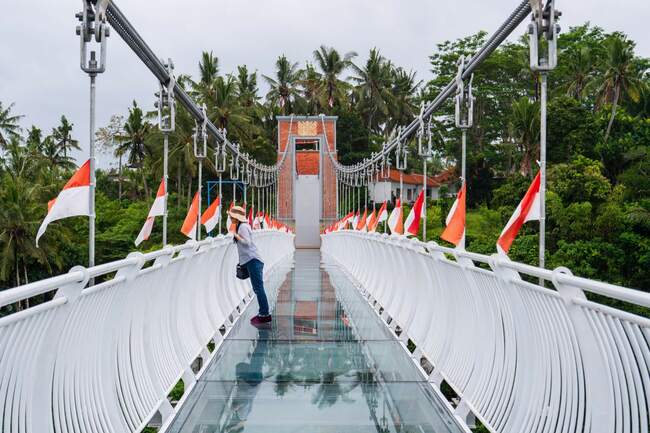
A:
[388,187]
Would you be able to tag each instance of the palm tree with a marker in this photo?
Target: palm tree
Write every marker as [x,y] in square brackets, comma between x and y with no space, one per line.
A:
[373,89]
[332,65]
[247,87]
[8,124]
[524,128]
[18,225]
[133,143]
[285,87]
[620,77]
[402,110]
[580,72]
[62,136]
[208,68]
[312,86]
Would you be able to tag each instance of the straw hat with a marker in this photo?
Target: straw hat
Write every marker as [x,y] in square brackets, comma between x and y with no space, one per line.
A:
[238,213]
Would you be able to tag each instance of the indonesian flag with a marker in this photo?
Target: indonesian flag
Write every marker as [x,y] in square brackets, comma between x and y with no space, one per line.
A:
[157,209]
[413,220]
[190,223]
[250,217]
[372,221]
[73,200]
[395,220]
[355,221]
[455,230]
[361,224]
[256,220]
[232,226]
[267,222]
[212,215]
[528,210]
[383,213]
[345,220]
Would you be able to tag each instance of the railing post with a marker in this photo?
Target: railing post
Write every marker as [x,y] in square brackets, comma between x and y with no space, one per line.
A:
[599,395]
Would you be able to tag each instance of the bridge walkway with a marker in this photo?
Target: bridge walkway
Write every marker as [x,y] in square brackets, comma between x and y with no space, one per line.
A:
[327,364]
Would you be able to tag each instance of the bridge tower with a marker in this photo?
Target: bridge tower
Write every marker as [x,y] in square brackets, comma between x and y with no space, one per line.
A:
[307,181]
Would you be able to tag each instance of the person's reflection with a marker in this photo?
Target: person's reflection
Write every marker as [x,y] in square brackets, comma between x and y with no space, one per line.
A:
[249,376]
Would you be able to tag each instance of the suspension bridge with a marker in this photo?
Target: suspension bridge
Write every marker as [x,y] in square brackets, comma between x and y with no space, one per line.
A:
[371,332]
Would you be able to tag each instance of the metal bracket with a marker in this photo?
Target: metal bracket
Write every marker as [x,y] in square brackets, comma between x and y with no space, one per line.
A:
[464,98]
[93,23]
[543,25]
[220,154]
[166,102]
[401,153]
[201,152]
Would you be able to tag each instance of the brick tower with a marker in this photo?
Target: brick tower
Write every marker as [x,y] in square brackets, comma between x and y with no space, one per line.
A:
[307,181]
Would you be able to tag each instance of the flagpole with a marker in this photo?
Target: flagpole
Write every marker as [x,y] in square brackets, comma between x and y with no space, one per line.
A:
[542,168]
[91,219]
[544,25]
[220,203]
[92,25]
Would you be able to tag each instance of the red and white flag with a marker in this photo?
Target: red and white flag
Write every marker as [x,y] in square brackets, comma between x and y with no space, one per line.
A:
[157,209]
[73,200]
[412,223]
[250,217]
[355,220]
[192,218]
[342,224]
[256,221]
[372,221]
[382,215]
[361,223]
[230,224]
[212,215]
[395,219]
[455,230]
[267,222]
[528,210]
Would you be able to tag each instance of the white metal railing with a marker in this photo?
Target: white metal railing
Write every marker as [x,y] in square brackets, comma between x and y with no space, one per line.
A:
[104,358]
[521,357]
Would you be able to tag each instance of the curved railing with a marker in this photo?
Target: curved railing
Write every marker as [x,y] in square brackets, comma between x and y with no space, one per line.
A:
[104,358]
[520,357]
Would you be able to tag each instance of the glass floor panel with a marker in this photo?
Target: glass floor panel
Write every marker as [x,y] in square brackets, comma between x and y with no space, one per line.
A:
[285,407]
[327,364]
[312,362]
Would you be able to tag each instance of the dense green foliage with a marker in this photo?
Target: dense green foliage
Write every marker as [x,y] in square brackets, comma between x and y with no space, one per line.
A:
[598,151]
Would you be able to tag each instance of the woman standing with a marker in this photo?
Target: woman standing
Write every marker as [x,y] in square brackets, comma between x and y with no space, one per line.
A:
[250,258]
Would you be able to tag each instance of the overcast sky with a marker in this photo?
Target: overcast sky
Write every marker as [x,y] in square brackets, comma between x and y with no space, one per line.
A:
[39,51]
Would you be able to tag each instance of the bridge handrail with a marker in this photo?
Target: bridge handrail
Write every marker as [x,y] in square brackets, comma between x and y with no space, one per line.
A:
[103,358]
[520,356]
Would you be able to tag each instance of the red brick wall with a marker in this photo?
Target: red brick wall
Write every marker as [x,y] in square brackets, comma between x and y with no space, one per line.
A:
[307,163]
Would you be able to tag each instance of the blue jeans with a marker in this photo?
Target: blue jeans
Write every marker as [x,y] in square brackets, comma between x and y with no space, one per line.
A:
[256,272]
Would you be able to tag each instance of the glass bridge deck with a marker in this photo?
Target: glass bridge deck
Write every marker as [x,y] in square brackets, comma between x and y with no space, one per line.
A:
[326,365]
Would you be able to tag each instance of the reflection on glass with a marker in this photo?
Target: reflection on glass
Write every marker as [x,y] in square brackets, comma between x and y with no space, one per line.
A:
[327,364]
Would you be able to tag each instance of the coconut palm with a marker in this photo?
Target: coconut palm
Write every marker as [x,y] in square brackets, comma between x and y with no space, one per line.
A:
[62,136]
[247,87]
[312,86]
[620,77]
[580,72]
[403,107]
[8,124]
[208,68]
[133,142]
[373,91]
[285,88]
[524,129]
[331,66]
